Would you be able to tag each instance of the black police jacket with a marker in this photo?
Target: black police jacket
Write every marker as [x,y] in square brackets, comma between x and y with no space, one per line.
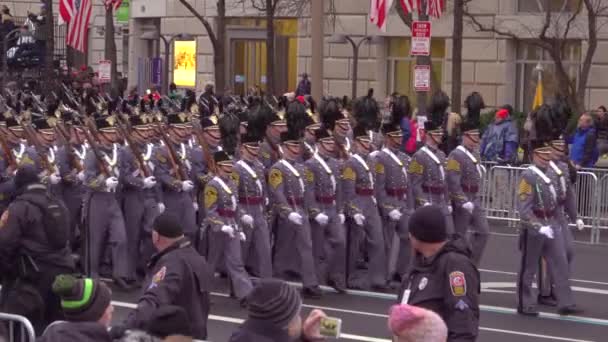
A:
[176,276]
[254,330]
[75,332]
[448,284]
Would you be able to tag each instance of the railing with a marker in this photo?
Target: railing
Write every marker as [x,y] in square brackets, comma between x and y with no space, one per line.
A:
[23,332]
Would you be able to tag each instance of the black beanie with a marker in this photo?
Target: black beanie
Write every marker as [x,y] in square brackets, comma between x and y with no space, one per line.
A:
[82,300]
[167,225]
[275,301]
[167,321]
[26,175]
[427,224]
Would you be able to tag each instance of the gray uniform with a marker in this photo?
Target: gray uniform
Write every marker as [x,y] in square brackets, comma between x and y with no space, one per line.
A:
[538,206]
[428,181]
[464,175]
[252,197]
[393,193]
[323,196]
[72,189]
[222,210]
[267,155]
[286,190]
[104,219]
[358,191]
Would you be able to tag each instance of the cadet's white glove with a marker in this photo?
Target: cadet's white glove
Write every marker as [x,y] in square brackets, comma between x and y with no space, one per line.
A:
[395,215]
[80,176]
[228,230]
[580,225]
[242,236]
[149,182]
[546,231]
[468,207]
[295,218]
[342,218]
[322,219]
[247,219]
[54,179]
[187,186]
[359,219]
[161,208]
[195,206]
[111,183]
[450,209]
[426,204]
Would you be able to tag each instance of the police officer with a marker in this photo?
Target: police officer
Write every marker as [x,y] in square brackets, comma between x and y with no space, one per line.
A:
[361,208]
[541,236]
[443,277]
[427,174]
[325,204]
[32,253]
[226,236]
[464,178]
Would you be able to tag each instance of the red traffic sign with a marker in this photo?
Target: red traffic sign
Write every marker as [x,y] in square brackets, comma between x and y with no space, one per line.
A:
[421,38]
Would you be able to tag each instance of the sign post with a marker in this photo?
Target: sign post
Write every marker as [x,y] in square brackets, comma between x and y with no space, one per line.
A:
[104,70]
[422,78]
[421,38]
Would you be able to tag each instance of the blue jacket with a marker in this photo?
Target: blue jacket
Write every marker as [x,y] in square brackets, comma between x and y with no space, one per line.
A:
[584,151]
[499,142]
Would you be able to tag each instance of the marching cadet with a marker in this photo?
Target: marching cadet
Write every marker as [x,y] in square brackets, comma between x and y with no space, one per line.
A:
[201,158]
[427,174]
[286,188]
[275,125]
[140,200]
[395,199]
[253,197]
[226,236]
[309,147]
[45,153]
[172,172]
[367,114]
[541,236]
[324,203]
[465,176]
[105,223]
[362,210]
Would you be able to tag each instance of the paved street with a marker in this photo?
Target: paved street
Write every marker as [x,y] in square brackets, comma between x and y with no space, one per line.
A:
[364,315]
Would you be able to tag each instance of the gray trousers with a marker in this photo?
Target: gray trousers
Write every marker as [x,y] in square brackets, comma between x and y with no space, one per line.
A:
[293,242]
[534,246]
[180,204]
[369,237]
[256,250]
[473,227]
[106,228]
[329,249]
[397,244]
[545,283]
[72,197]
[223,247]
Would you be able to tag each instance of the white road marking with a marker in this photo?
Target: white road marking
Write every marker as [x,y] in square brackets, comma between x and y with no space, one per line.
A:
[554,338]
[509,285]
[515,274]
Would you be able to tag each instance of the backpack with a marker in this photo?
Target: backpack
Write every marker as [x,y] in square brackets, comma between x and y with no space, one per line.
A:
[55,218]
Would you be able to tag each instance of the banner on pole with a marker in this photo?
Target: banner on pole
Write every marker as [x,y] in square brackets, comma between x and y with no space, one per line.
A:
[422,78]
[157,71]
[104,70]
[421,38]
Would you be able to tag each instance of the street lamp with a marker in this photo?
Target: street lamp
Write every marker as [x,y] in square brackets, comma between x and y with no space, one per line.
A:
[154,35]
[338,38]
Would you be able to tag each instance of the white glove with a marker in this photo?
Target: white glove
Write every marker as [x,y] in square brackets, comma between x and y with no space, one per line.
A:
[195,206]
[342,218]
[395,215]
[580,225]
[359,219]
[228,230]
[242,236]
[322,219]
[295,218]
[149,182]
[54,179]
[468,207]
[426,204]
[247,219]
[546,231]
[450,209]
[187,186]
[111,183]
[161,208]
[80,176]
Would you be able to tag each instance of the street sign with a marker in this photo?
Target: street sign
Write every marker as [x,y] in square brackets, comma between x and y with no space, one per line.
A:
[421,38]
[422,78]
[104,70]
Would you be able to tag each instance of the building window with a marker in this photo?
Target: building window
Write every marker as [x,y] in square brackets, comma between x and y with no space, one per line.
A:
[401,65]
[528,57]
[533,6]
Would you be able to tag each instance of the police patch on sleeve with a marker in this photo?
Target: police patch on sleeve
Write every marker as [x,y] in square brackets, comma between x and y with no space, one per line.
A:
[458,284]
[210,196]
[158,277]
[276,178]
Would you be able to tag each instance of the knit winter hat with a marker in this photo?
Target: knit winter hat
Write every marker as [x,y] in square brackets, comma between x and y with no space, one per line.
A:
[427,224]
[82,300]
[167,225]
[413,324]
[26,175]
[274,301]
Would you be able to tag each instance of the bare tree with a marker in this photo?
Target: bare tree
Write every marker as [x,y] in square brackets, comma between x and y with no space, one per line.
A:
[556,29]
[217,38]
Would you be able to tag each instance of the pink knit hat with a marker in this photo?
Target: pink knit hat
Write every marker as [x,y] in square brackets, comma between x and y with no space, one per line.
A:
[413,324]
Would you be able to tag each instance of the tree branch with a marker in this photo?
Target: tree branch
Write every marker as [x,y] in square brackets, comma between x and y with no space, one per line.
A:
[543,32]
[592,47]
[205,23]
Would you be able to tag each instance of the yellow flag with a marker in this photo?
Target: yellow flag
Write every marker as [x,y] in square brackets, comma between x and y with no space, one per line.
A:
[538,97]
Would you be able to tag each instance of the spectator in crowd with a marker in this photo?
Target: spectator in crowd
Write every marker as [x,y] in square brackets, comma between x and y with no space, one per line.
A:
[500,140]
[174,94]
[87,306]
[303,86]
[40,30]
[400,108]
[584,151]
[7,23]
[274,315]
[601,125]
[409,323]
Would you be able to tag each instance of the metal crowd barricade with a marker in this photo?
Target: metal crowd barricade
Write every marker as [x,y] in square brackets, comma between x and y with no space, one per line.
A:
[587,201]
[601,221]
[499,193]
[23,332]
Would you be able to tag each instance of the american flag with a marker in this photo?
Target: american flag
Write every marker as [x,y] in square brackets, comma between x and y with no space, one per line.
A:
[434,8]
[378,12]
[79,24]
[409,6]
[66,11]
[113,3]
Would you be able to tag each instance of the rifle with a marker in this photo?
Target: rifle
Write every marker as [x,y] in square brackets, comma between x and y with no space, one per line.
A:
[176,162]
[134,148]
[10,158]
[198,132]
[64,133]
[30,134]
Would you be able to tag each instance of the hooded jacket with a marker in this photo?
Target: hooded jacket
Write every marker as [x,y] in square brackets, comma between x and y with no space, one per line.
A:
[75,332]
